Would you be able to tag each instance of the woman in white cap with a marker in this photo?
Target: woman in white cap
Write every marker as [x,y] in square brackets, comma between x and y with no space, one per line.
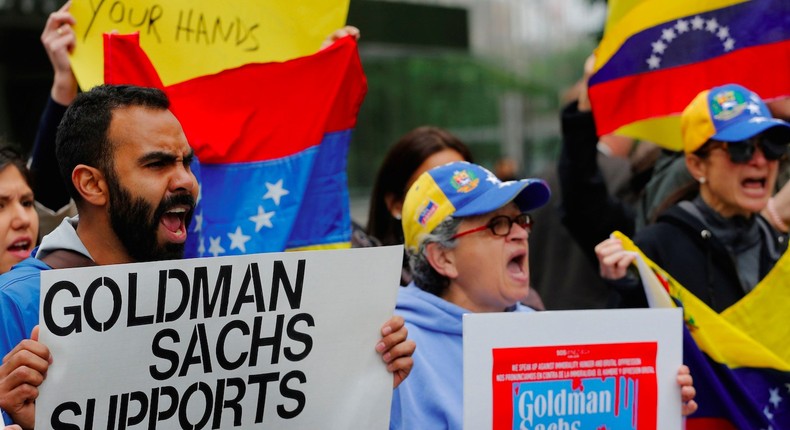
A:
[717,246]
[466,234]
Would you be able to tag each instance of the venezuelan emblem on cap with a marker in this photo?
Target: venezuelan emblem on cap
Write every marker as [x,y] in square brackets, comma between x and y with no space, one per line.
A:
[727,104]
[464,181]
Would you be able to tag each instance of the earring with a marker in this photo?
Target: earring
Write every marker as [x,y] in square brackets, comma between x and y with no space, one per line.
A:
[702,180]
[396,216]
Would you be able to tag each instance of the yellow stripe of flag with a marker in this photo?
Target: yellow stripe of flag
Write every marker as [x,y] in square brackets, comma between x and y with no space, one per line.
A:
[762,314]
[729,340]
[322,247]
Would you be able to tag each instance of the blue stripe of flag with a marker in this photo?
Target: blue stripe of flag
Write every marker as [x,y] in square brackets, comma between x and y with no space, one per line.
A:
[269,206]
[325,215]
[748,24]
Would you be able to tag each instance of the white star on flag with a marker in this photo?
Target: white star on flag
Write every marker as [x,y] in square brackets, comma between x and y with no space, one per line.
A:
[711,25]
[215,249]
[659,47]
[262,219]
[775,397]
[729,44]
[198,222]
[723,33]
[202,246]
[238,240]
[275,191]
[768,413]
[654,62]
[682,26]
[668,34]
[697,23]
[753,108]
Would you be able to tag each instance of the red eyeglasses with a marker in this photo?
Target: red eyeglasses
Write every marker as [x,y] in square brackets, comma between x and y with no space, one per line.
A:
[500,225]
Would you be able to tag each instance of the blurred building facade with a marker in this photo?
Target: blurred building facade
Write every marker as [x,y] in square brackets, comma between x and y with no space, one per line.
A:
[491,71]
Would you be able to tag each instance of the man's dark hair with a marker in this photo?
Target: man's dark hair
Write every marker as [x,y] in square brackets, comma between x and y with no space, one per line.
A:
[82,134]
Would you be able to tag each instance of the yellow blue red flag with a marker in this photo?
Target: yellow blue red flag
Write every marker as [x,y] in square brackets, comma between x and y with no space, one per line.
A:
[740,359]
[271,140]
[656,55]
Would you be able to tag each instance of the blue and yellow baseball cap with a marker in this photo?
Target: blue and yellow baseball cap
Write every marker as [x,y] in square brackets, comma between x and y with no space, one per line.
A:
[728,113]
[462,189]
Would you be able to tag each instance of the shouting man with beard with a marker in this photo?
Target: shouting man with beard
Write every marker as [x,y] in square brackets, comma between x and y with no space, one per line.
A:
[126,162]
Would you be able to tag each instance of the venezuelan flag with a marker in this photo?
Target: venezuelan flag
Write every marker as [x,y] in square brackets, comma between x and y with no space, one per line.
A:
[272,141]
[740,359]
[656,55]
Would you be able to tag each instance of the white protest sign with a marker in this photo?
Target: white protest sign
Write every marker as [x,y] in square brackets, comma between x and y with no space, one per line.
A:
[280,340]
[590,369]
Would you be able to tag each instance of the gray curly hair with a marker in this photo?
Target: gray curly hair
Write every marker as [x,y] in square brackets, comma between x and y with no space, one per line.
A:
[424,275]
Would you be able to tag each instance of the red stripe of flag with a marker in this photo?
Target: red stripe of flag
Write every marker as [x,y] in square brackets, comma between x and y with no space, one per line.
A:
[281,108]
[762,69]
[708,424]
[126,63]
[256,112]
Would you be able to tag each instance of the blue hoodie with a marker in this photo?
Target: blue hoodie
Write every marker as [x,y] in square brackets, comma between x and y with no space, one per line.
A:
[432,397]
[20,288]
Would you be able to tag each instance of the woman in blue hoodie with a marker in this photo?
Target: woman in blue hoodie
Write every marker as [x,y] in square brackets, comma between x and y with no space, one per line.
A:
[466,234]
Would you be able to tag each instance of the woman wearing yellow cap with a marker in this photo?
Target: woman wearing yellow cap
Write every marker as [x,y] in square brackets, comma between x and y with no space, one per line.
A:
[717,246]
[466,233]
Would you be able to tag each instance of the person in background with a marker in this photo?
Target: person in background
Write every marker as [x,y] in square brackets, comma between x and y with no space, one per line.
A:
[18,217]
[595,175]
[52,197]
[717,246]
[415,152]
[466,233]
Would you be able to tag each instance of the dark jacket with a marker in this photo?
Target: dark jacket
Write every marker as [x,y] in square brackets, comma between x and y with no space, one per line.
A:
[682,245]
[588,209]
[49,187]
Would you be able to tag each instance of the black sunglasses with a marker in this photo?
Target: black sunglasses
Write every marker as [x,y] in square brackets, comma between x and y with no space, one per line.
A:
[742,151]
[500,225]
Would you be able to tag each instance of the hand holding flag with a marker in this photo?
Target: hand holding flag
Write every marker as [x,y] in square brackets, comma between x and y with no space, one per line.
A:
[739,358]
